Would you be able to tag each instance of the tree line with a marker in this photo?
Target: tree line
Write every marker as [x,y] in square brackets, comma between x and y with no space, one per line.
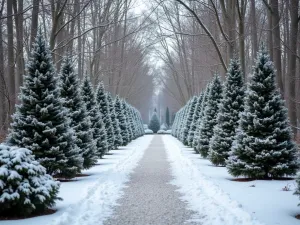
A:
[61,126]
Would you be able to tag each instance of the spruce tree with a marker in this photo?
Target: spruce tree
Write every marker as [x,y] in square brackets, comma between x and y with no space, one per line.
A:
[126,112]
[154,124]
[168,118]
[263,146]
[40,122]
[80,121]
[118,141]
[97,125]
[26,189]
[201,115]
[189,119]
[209,119]
[195,118]
[101,98]
[120,114]
[132,122]
[231,106]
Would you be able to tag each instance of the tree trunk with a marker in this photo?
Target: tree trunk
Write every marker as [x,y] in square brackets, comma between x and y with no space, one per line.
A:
[20,67]
[277,44]
[34,21]
[253,29]
[294,5]
[10,58]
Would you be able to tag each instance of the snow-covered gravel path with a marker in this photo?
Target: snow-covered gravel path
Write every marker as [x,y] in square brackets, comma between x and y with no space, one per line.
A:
[212,204]
[149,197]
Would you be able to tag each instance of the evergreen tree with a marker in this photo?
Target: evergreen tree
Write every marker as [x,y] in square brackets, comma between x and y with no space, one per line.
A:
[201,115]
[263,146]
[129,129]
[99,133]
[26,189]
[80,121]
[209,119]
[104,110]
[154,124]
[189,119]
[168,118]
[40,122]
[231,106]
[196,116]
[132,121]
[118,141]
[120,113]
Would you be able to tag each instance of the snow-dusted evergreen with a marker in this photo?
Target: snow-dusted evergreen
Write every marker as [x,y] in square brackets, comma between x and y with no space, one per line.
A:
[195,119]
[263,146]
[189,119]
[97,125]
[118,141]
[201,115]
[40,122]
[101,98]
[154,124]
[25,188]
[120,113]
[80,121]
[209,119]
[126,113]
[184,121]
[231,106]
[133,122]
[168,123]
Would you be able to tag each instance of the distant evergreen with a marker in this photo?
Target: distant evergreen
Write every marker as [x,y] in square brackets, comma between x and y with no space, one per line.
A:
[209,119]
[201,116]
[231,106]
[189,119]
[118,140]
[97,125]
[102,100]
[168,123]
[195,119]
[154,124]
[120,114]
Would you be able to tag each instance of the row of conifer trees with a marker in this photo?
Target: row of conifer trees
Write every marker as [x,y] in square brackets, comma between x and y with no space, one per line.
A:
[242,127]
[61,126]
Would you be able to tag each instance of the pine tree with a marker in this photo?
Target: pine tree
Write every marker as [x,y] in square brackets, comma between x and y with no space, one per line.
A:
[168,118]
[154,124]
[40,122]
[209,119]
[80,121]
[99,133]
[26,189]
[195,119]
[263,146]
[104,110]
[120,113]
[118,141]
[189,119]
[227,120]
[201,115]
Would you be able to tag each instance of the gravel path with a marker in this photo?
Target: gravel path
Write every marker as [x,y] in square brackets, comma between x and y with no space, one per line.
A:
[149,198]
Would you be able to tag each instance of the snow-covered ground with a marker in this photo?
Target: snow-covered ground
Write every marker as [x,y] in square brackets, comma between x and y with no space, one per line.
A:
[220,201]
[89,200]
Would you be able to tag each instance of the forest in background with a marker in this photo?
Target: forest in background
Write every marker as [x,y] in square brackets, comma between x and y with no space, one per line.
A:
[153,54]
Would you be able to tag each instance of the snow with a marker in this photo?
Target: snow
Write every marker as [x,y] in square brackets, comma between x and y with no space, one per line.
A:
[220,201]
[89,200]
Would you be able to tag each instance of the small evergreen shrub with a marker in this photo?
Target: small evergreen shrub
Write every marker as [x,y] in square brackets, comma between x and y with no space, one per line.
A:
[25,188]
